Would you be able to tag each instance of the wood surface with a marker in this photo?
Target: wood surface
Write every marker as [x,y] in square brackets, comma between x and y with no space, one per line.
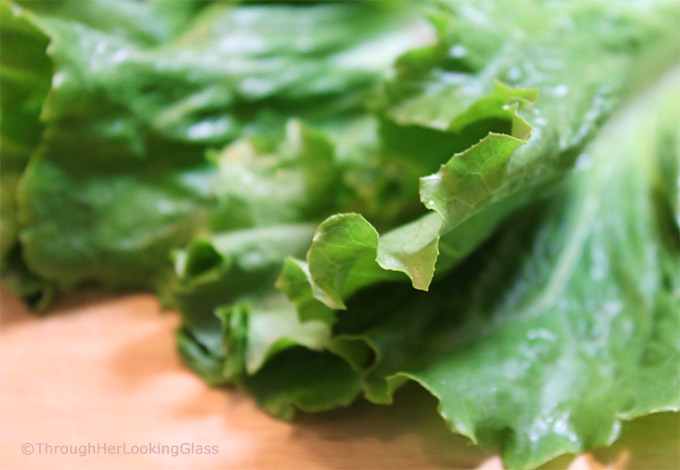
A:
[105,371]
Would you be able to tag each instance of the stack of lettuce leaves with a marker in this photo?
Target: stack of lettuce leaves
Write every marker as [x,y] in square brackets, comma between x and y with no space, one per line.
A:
[339,198]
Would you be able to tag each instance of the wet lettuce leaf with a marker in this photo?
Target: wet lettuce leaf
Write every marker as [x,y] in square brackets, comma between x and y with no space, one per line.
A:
[584,330]
[547,336]
[564,324]
[137,97]
[341,197]
[485,182]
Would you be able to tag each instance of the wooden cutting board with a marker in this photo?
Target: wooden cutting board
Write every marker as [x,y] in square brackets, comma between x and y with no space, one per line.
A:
[102,377]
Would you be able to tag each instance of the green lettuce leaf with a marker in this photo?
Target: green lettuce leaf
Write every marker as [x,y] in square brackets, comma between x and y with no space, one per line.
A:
[477,188]
[136,97]
[25,81]
[279,171]
[588,333]
[564,324]
[561,326]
